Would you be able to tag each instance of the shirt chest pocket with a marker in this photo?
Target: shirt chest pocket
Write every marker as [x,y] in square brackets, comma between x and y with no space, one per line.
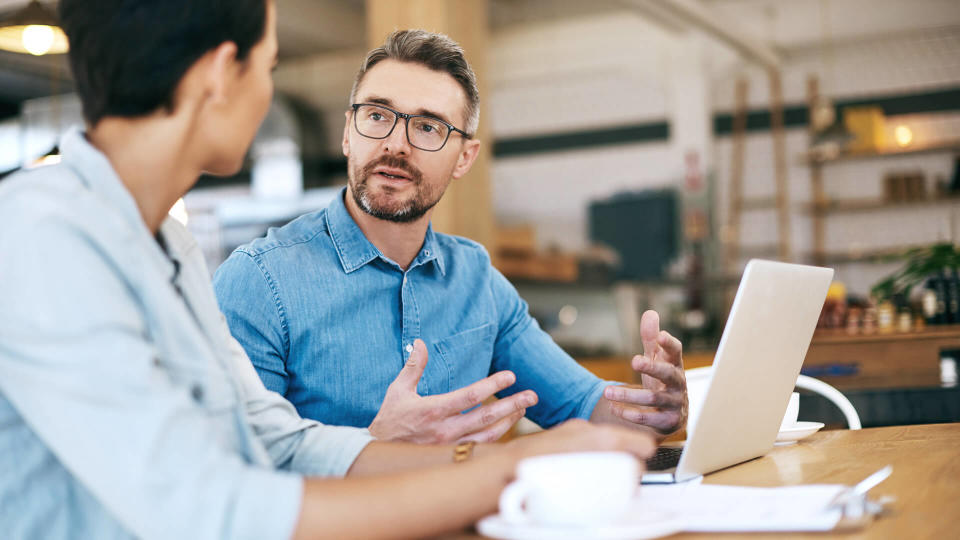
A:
[207,384]
[468,354]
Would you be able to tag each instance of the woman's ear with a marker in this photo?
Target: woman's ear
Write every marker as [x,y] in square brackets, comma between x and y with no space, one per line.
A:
[221,71]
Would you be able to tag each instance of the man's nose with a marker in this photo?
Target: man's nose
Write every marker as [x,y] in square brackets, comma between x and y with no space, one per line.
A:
[397,142]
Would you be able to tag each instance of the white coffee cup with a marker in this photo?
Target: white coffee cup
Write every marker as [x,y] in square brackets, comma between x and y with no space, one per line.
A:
[575,489]
[793,410]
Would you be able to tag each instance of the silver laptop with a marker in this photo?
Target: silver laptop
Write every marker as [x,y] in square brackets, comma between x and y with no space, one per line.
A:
[761,351]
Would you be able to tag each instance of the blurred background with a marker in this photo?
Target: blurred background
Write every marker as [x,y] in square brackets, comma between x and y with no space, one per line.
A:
[637,153]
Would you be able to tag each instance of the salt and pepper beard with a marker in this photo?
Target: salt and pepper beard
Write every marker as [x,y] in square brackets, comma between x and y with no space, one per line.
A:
[388,210]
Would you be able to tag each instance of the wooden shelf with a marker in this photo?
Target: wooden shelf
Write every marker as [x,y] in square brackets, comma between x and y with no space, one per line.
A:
[759,203]
[822,336]
[760,251]
[820,206]
[550,267]
[866,255]
[866,205]
[948,146]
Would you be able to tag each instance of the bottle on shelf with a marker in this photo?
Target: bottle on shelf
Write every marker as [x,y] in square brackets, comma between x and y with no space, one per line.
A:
[904,320]
[939,286]
[928,302]
[953,295]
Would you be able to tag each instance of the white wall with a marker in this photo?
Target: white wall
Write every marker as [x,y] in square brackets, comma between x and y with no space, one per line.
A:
[608,70]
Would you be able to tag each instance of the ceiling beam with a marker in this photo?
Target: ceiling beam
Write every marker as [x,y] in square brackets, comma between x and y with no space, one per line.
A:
[695,14]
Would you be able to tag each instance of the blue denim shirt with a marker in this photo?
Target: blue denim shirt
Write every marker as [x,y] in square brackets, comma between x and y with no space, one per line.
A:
[126,408]
[328,321]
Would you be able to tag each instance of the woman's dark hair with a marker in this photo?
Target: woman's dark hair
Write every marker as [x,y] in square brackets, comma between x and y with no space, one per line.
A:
[128,56]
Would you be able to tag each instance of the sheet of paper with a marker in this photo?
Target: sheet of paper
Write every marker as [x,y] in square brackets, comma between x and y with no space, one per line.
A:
[660,510]
[712,508]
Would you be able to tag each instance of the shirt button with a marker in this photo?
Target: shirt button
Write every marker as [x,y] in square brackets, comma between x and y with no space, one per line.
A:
[196,391]
[426,252]
[409,348]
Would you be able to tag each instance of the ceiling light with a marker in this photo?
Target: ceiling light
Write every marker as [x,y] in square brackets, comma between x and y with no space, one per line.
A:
[32,30]
[903,135]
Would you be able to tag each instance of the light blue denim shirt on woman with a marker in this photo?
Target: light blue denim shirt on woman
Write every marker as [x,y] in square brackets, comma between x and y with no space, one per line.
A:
[126,409]
[328,321]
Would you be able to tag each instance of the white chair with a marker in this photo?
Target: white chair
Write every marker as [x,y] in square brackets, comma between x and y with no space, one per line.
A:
[819,387]
[699,378]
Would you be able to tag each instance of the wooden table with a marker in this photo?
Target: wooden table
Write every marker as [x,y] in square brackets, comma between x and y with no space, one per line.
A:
[925,480]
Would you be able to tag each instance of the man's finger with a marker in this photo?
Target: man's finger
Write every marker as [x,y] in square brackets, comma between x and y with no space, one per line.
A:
[473,395]
[494,432]
[644,397]
[410,375]
[483,417]
[670,348]
[665,421]
[649,330]
[664,372]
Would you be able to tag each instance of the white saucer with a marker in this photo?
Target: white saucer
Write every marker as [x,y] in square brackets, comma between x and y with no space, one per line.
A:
[634,527]
[798,430]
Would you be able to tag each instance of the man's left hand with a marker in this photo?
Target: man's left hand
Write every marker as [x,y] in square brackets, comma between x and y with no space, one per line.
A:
[661,403]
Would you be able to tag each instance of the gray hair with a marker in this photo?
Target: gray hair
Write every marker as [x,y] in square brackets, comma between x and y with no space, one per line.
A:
[435,51]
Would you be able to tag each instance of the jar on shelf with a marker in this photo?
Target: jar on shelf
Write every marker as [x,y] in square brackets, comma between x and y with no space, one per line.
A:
[885,317]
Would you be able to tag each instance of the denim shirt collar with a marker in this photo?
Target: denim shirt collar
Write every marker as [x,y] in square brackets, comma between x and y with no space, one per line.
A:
[97,173]
[355,251]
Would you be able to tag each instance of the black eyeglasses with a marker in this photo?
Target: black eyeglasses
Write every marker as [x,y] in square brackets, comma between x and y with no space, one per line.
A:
[423,132]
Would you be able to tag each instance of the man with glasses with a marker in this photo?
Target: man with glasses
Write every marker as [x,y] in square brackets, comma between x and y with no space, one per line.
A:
[330,307]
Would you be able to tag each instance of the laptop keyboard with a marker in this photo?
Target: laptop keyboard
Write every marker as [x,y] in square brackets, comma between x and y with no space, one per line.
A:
[666,457]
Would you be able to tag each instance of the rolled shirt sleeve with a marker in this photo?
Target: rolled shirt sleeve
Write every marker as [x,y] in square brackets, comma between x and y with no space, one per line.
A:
[565,388]
[79,367]
[250,301]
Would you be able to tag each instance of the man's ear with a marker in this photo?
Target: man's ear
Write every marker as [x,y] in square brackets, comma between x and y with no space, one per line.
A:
[468,154]
[346,134]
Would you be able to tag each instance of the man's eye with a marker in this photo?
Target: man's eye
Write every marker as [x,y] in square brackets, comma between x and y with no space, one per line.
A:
[376,116]
[427,128]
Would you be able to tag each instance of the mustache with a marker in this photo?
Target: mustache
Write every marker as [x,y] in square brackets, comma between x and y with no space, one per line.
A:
[394,162]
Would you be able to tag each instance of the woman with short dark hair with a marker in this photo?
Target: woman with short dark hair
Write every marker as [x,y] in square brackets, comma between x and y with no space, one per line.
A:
[126,408]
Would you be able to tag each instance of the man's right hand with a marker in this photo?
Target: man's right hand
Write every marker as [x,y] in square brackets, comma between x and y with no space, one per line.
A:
[406,416]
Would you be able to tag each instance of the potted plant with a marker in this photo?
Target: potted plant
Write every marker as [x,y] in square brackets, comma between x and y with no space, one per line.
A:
[921,263]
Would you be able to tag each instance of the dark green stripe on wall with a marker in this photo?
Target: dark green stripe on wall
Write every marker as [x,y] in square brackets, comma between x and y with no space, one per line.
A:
[513,146]
[757,120]
[760,120]
[927,102]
